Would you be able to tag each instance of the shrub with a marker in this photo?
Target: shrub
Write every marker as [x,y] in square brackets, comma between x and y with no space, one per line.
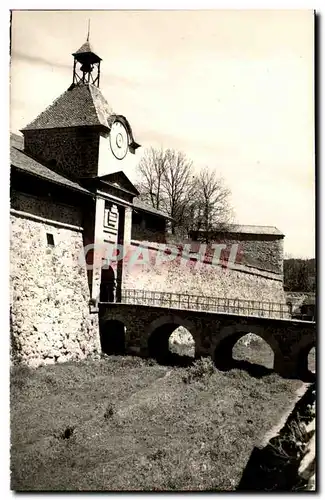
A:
[203,367]
[109,412]
[19,376]
[66,433]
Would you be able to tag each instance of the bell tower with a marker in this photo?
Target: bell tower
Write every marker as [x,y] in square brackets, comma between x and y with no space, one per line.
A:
[86,66]
[79,135]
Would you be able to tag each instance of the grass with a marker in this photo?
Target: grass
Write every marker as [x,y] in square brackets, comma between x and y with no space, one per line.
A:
[128,424]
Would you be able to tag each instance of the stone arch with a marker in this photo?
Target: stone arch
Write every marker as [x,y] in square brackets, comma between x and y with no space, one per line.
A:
[229,336]
[157,338]
[112,336]
[300,355]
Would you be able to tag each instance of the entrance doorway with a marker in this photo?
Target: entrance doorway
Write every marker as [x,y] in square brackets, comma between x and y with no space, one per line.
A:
[107,285]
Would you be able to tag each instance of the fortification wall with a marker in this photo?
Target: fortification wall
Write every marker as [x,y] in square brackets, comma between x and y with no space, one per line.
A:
[49,293]
[264,252]
[260,251]
[182,275]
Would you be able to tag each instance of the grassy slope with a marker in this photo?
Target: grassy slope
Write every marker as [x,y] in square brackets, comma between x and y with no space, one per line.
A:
[137,425]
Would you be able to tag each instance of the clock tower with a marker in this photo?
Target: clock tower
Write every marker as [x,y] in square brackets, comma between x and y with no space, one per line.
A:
[79,135]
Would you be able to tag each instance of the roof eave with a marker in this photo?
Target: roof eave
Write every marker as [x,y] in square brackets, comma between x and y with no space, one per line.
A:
[280,235]
[246,233]
[98,126]
[53,181]
[96,58]
[148,211]
[120,188]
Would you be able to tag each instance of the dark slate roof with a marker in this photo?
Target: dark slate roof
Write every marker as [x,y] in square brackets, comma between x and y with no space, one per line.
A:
[85,48]
[147,208]
[247,229]
[25,163]
[81,105]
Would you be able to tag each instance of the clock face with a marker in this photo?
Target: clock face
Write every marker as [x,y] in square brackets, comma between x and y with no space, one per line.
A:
[119,140]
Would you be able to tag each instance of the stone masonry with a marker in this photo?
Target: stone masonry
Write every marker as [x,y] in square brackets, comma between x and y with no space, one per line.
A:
[196,278]
[49,293]
[147,332]
[70,152]
[265,253]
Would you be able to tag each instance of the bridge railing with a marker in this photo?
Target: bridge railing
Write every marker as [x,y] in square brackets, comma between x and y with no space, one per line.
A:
[211,304]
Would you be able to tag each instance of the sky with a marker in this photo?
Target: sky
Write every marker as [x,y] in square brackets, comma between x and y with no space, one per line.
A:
[232,89]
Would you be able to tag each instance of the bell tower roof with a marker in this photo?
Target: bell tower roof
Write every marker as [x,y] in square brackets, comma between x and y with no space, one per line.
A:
[79,106]
[86,64]
[85,52]
[82,104]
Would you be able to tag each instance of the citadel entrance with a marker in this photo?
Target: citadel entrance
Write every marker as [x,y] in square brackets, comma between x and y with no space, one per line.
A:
[107,285]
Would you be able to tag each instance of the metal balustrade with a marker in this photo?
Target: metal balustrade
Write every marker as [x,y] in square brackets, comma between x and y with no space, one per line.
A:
[208,304]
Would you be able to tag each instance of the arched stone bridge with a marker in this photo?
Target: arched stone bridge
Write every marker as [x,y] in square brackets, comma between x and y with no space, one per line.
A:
[147,331]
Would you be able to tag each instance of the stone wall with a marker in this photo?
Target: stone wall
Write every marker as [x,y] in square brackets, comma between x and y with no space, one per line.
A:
[71,152]
[257,250]
[188,277]
[266,253]
[45,207]
[144,234]
[49,293]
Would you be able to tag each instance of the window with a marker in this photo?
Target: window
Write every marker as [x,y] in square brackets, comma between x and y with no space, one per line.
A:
[50,239]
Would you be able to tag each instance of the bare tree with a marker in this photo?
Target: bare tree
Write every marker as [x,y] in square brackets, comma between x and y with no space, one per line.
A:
[194,202]
[151,169]
[212,210]
[178,183]
[166,182]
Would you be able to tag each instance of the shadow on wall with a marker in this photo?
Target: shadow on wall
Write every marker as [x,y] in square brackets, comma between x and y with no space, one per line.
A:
[112,337]
[145,234]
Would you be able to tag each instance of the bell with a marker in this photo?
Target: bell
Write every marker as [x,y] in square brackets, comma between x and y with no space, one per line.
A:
[86,67]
